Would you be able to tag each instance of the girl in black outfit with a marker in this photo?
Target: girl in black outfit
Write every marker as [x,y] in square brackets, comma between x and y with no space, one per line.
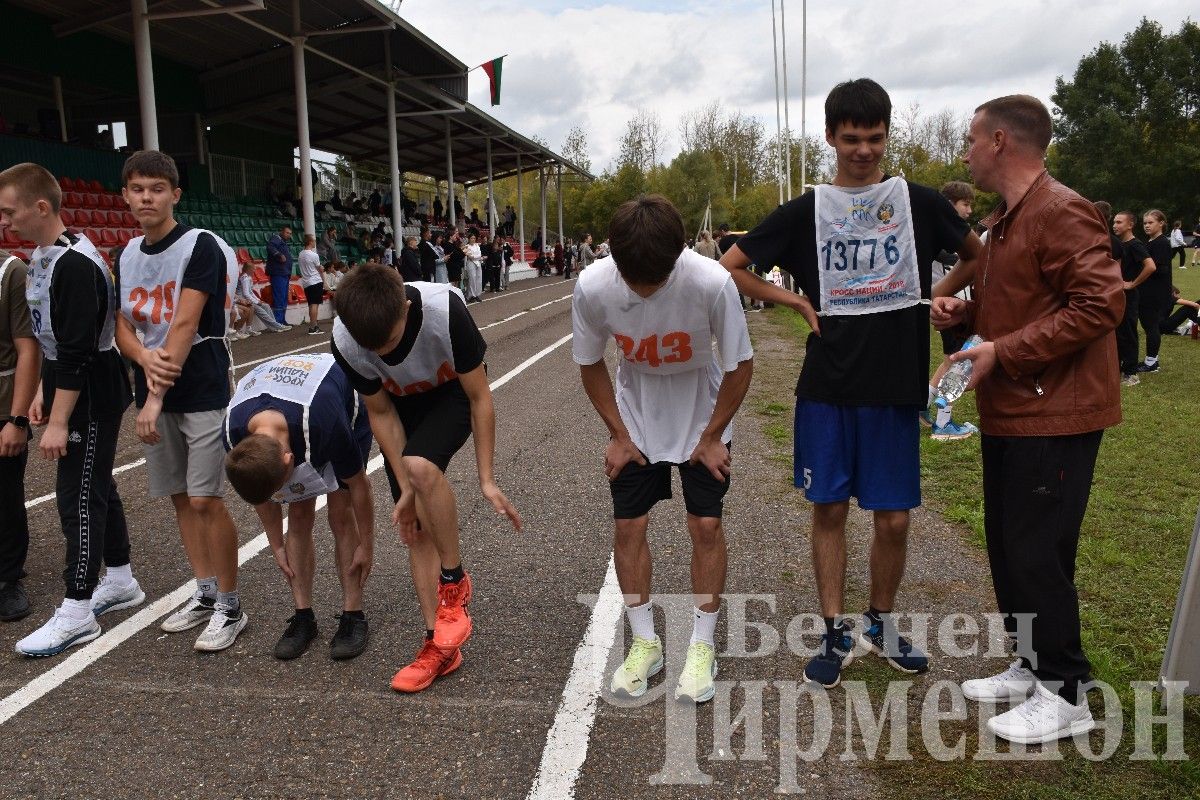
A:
[1154,299]
[455,258]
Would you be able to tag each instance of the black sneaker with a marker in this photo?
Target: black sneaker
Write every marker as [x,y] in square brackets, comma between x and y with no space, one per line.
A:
[351,637]
[1143,367]
[14,603]
[296,639]
[315,330]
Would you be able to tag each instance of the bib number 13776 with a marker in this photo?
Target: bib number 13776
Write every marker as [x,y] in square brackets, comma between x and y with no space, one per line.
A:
[843,254]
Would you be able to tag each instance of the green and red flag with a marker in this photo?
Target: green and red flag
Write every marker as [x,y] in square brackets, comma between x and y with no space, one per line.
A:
[493,69]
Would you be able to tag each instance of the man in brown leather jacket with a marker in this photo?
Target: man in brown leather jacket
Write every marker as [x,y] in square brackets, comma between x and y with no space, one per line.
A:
[1047,299]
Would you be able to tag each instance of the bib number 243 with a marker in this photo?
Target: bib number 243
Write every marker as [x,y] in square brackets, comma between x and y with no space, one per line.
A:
[678,343]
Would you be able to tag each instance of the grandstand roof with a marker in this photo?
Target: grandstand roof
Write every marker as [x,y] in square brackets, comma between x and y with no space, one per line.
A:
[242,53]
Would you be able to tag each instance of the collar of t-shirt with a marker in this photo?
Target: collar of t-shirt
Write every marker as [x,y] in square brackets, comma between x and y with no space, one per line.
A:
[634,298]
[162,244]
[412,326]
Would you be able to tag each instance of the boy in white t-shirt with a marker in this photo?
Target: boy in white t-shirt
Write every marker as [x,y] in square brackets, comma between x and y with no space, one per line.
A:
[664,305]
[312,281]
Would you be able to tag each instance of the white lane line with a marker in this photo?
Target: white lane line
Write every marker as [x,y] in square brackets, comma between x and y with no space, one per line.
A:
[523,313]
[37,501]
[277,355]
[567,742]
[81,659]
[507,293]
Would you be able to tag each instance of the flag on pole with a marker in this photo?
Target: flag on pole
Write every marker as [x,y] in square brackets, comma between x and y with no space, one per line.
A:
[493,69]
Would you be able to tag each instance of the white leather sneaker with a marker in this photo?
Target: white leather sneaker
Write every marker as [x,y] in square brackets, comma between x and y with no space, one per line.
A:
[1042,718]
[1015,683]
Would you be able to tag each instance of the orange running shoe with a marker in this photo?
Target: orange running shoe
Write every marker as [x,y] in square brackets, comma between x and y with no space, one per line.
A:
[453,624]
[430,664]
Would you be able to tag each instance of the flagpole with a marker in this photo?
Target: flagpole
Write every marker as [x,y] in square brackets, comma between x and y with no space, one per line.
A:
[787,125]
[778,129]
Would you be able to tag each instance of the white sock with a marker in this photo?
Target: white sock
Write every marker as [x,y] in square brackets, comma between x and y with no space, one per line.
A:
[122,574]
[705,626]
[641,620]
[77,610]
[932,394]
[943,417]
[1151,360]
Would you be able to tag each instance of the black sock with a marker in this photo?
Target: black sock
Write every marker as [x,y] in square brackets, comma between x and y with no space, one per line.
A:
[305,613]
[354,614]
[1070,692]
[451,575]
[429,634]
[834,630]
[875,615]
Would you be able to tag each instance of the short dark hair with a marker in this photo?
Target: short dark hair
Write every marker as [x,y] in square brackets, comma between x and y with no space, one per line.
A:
[859,102]
[1130,214]
[646,236]
[255,468]
[955,191]
[369,301]
[33,182]
[1023,116]
[1104,207]
[151,164]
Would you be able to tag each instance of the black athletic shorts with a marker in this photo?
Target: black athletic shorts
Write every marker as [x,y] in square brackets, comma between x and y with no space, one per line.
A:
[436,425]
[637,488]
[952,340]
[314,294]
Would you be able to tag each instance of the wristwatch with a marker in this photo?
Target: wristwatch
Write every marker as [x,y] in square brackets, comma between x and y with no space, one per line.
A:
[21,422]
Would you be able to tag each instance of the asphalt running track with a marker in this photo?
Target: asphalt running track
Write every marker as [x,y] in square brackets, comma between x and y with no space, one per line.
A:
[138,713]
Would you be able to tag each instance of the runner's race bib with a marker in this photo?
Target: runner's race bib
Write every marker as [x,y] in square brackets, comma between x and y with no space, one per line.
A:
[866,249]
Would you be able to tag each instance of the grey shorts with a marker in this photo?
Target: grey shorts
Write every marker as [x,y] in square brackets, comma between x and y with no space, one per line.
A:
[190,457]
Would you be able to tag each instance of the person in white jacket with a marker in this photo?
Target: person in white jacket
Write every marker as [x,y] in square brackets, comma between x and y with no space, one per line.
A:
[474,272]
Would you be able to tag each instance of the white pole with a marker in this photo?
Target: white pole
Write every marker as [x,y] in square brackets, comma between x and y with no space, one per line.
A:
[145,75]
[450,214]
[778,129]
[62,110]
[306,190]
[542,183]
[393,146]
[491,201]
[803,95]
[558,188]
[787,125]
[520,212]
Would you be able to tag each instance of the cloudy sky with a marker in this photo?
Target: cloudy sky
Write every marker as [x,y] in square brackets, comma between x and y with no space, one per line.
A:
[595,63]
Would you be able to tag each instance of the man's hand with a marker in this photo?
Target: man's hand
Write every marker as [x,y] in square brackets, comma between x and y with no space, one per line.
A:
[360,565]
[946,312]
[805,307]
[12,440]
[404,516]
[714,455]
[619,453]
[53,443]
[984,357]
[160,372]
[491,493]
[147,419]
[282,560]
[37,412]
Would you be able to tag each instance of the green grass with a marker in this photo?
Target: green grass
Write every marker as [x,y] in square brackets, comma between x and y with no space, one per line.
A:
[1131,556]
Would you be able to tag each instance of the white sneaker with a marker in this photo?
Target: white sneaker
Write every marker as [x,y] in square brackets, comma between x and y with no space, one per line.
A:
[222,629]
[58,634]
[196,610]
[645,660]
[112,596]
[699,670]
[1044,717]
[253,332]
[1015,683]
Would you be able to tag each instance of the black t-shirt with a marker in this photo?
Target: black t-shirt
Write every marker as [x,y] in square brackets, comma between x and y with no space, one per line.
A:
[727,241]
[1116,249]
[465,340]
[1160,250]
[203,385]
[1133,256]
[454,261]
[866,359]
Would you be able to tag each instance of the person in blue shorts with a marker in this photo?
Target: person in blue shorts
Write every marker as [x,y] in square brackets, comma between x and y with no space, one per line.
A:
[861,251]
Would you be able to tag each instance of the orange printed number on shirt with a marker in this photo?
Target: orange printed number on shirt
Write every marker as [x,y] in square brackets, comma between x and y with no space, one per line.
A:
[445,374]
[678,343]
[162,299]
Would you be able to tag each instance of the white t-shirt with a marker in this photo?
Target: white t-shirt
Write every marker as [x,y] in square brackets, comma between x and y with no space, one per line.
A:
[310,268]
[669,372]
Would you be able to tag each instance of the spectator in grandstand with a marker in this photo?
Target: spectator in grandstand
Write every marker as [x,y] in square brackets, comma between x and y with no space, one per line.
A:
[706,247]
[429,255]
[474,218]
[388,258]
[864,375]
[296,431]
[312,282]
[279,271]
[674,402]
[458,209]
[332,275]
[336,200]
[1178,245]
[536,244]
[249,298]
[1154,298]
[327,249]
[83,394]
[1046,386]
[424,395]
[20,361]
[271,192]
[473,271]
[437,209]
[410,260]
[374,202]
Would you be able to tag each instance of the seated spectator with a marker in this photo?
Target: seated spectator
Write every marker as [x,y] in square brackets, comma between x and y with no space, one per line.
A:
[1187,312]
[336,200]
[374,202]
[328,247]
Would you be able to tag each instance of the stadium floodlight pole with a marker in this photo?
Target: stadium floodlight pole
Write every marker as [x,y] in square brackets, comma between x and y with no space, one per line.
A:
[491,200]
[450,213]
[520,212]
[393,144]
[145,75]
[778,128]
[803,95]
[306,187]
[787,125]
[558,190]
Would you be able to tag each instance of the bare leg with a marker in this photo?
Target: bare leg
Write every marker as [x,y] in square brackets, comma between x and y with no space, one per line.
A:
[301,554]
[942,369]
[631,556]
[221,535]
[191,532]
[436,508]
[889,548]
[709,559]
[424,562]
[829,554]
[344,526]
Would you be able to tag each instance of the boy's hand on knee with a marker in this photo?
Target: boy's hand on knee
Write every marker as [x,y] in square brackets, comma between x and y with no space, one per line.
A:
[618,454]
[714,455]
[282,560]
[404,517]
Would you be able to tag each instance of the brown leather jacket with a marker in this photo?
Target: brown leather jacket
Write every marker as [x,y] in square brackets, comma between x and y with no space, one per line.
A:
[1049,295]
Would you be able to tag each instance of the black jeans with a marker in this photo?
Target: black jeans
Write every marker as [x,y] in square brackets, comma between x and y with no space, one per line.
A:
[92,516]
[1035,493]
[1150,313]
[1181,315]
[14,523]
[1127,335]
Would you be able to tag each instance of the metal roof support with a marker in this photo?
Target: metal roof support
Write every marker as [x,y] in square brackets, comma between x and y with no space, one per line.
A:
[62,110]
[393,150]
[306,187]
[558,189]
[520,210]
[201,155]
[491,198]
[542,185]
[450,178]
[145,75]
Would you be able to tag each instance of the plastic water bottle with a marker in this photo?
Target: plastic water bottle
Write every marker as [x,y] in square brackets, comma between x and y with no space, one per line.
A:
[954,382]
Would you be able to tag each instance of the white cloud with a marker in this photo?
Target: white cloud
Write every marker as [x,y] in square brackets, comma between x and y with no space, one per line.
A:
[596,63]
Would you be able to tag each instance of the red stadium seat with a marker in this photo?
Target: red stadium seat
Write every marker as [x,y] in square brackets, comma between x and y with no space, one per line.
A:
[67,217]
[95,186]
[260,275]
[92,235]
[90,200]
[82,218]
[133,232]
[106,201]
[108,238]
[296,295]
[128,219]
[123,237]
[80,185]
[99,218]
[119,203]
[72,200]
[67,184]
[114,219]
[243,256]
